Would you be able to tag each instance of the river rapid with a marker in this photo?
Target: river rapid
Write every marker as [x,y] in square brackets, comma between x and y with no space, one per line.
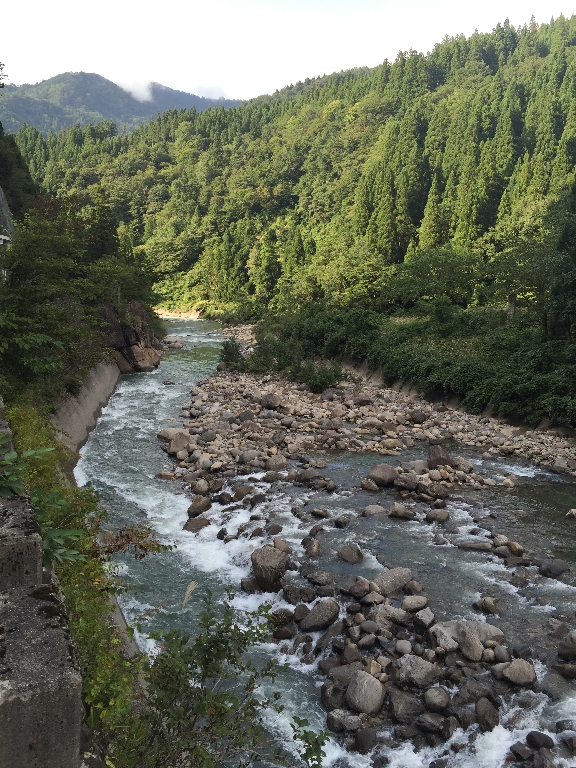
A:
[123,456]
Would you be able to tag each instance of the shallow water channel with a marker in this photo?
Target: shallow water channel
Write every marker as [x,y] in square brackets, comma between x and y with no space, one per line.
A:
[122,457]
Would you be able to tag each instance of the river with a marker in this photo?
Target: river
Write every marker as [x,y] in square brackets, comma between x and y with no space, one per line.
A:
[122,457]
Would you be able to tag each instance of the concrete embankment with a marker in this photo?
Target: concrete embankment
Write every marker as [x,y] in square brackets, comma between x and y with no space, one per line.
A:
[78,415]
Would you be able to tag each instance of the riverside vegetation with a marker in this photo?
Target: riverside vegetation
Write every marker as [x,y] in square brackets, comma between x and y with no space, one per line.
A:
[65,274]
[419,214]
[258,458]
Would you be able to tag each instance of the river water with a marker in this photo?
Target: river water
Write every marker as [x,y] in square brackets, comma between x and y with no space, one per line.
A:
[122,457]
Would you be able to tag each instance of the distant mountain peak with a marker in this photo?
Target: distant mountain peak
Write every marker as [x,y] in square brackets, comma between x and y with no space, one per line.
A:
[86,97]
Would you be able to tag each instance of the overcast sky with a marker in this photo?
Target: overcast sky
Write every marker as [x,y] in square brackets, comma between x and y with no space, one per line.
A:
[234,48]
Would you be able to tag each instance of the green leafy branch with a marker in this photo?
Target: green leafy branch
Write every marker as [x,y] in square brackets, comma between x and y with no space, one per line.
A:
[13,467]
[56,541]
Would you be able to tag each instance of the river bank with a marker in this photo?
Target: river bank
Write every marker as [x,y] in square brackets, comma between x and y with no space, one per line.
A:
[251,504]
[379,642]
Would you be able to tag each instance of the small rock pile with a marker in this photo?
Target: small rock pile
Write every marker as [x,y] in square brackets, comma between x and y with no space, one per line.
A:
[232,414]
[390,667]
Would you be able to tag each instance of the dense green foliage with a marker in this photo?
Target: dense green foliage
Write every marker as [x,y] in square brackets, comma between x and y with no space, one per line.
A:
[81,98]
[65,263]
[108,679]
[436,192]
[203,706]
[15,179]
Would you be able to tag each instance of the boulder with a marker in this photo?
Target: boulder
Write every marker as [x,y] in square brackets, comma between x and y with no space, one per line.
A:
[401,512]
[436,699]
[247,456]
[269,565]
[178,439]
[208,436]
[462,465]
[365,739]
[242,491]
[481,629]
[383,614]
[199,504]
[553,569]
[423,619]
[331,696]
[436,491]
[437,516]
[342,720]
[413,670]
[567,647]
[414,603]
[407,481]
[373,509]
[359,588]
[393,580]
[382,474]
[365,693]
[362,398]
[351,553]
[322,614]
[405,706]
[270,401]
[276,463]
[486,715]
[539,740]
[430,722]
[195,524]
[439,457]
[520,672]
[470,646]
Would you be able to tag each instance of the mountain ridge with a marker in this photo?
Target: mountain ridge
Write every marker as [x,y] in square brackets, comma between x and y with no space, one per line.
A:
[84,97]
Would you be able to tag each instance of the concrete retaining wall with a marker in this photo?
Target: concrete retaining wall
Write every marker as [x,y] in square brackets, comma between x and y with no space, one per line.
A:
[41,708]
[77,416]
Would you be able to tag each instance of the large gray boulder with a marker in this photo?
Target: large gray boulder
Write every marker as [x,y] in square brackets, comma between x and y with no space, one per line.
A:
[451,629]
[438,457]
[364,693]
[177,438]
[276,463]
[269,565]
[486,715]
[436,699]
[412,670]
[520,672]
[270,401]
[393,580]
[384,614]
[322,614]
[351,553]
[199,504]
[405,706]
[470,646]
[567,647]
[382,475]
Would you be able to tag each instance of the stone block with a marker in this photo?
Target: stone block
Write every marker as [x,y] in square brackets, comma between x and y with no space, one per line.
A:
[20,545]
[40,685]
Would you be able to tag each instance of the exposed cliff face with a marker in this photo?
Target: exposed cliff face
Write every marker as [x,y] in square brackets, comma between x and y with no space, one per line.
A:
[135,346]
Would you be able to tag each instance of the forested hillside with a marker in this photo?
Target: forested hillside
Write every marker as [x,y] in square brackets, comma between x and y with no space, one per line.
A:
[82,97]
[65,268]
[420,214]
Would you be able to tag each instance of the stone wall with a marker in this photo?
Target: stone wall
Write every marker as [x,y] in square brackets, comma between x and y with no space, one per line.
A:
[41,709]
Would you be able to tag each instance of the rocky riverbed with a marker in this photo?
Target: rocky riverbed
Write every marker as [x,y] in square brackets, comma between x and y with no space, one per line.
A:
[394,672]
